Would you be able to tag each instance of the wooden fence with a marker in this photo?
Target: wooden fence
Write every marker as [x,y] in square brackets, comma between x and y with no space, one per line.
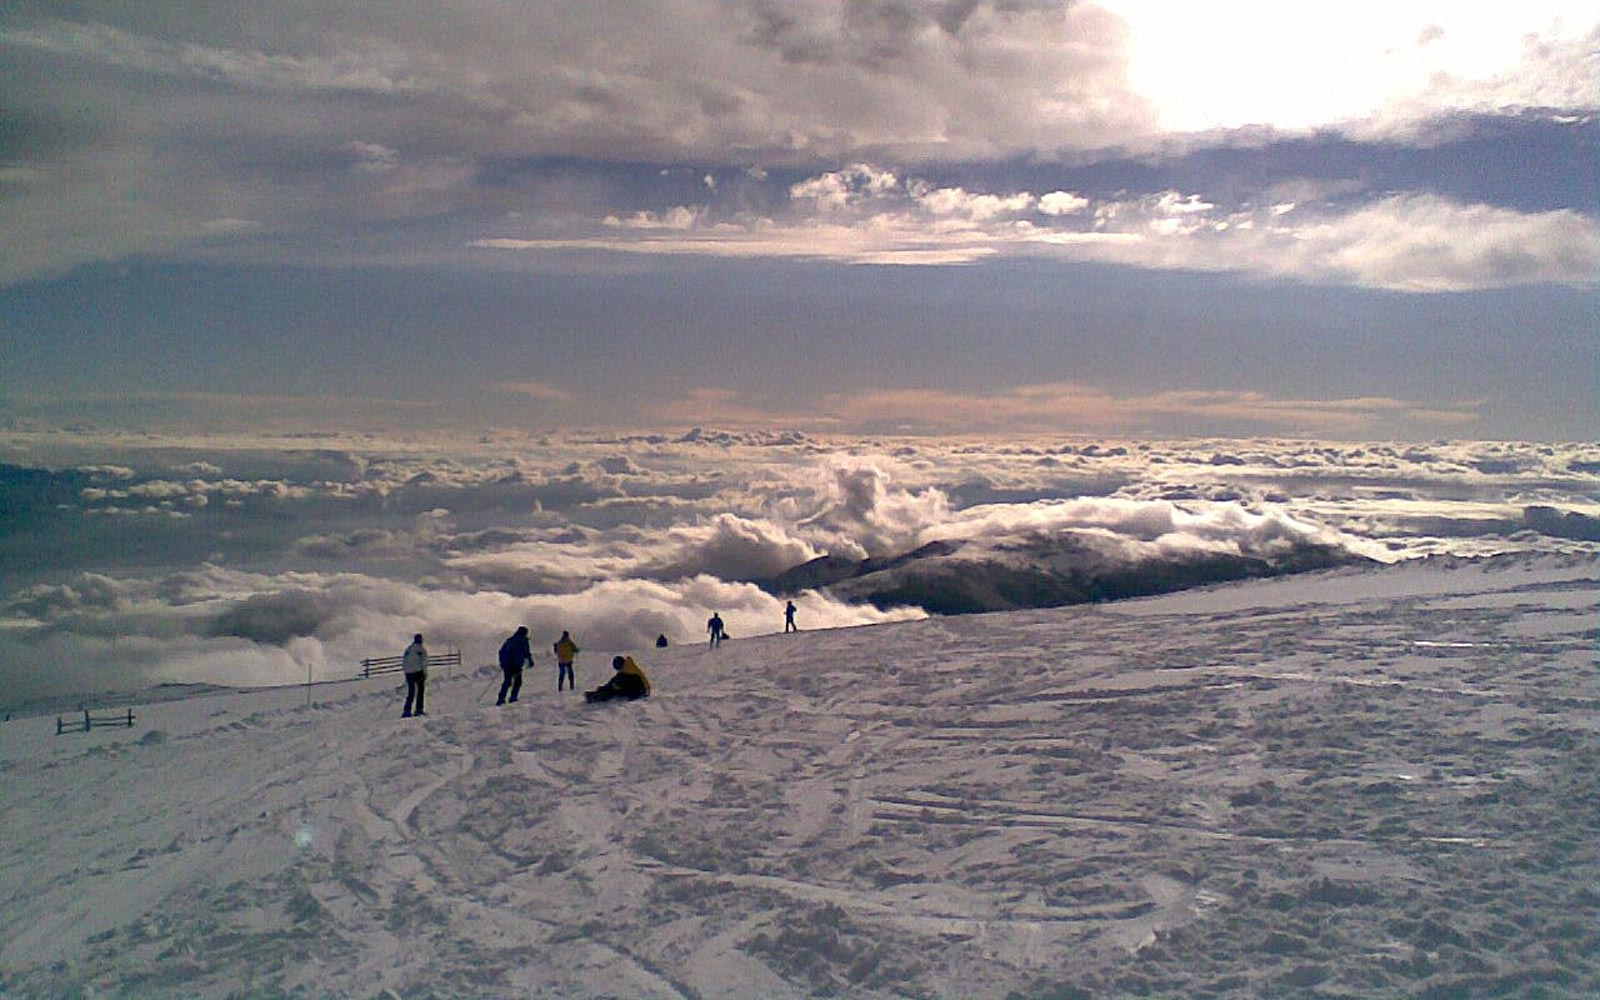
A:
[375,665]
[91,720]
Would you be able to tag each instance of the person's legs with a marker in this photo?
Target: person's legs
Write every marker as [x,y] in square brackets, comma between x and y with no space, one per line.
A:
[422,689]
[516,684]
[505,685]
[411,696]
[566,675]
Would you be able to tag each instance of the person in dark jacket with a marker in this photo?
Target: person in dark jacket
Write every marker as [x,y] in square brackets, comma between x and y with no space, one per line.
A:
[628,682]
[414,662]
[515,654]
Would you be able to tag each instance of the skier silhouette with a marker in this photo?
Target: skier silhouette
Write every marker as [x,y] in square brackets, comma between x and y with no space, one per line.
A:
[514,655]
[415,664]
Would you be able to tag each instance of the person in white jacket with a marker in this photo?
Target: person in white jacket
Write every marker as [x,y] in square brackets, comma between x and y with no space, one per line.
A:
[415,664]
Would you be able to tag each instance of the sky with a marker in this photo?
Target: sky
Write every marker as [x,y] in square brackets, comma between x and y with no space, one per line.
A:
[1369,221]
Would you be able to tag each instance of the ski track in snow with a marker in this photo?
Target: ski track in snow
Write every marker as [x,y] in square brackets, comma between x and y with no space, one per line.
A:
[1364,784]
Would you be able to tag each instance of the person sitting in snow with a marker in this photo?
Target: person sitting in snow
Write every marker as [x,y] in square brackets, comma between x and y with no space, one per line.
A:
[628,682]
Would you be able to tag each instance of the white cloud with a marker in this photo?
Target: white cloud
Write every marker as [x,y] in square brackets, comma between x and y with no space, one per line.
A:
[372,157]
[1062,203]
[1409,242]
[977,207]
[843,189]
[1369,70]
[678,218]
[1430,244]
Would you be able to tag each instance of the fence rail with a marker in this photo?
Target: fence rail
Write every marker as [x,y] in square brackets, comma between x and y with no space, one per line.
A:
[374,665]
[92,720]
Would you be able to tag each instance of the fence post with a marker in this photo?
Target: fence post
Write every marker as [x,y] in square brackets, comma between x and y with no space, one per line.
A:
[86,725]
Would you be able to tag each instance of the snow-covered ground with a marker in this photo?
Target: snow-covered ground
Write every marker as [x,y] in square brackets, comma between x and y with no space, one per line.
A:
[1366,783]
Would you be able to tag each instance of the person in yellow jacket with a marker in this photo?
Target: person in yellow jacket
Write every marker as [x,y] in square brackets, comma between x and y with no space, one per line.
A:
[628,682]
[566,652]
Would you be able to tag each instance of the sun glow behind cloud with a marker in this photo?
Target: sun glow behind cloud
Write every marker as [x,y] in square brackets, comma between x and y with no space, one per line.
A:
[1361,66]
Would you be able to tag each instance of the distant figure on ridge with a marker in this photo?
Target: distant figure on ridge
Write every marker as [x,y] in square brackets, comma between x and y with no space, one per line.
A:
[515,653]
[414,661]
[628,682]
[566,651]
[715,627]
[788,618]
[661,641]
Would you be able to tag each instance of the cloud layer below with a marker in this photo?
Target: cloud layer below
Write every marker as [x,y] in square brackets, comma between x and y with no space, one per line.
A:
[259,562]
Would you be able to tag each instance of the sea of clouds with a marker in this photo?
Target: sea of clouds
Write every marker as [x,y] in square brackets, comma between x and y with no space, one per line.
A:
[130,561]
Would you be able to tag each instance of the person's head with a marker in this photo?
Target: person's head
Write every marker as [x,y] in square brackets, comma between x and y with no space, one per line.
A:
[616,663]
[522,630]
[564,634]
[417,637]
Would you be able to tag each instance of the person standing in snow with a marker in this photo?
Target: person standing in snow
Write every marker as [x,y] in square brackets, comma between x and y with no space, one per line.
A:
[715,627]
[515,653]
[628,682]
[788,618]
[414,662]
[566,651]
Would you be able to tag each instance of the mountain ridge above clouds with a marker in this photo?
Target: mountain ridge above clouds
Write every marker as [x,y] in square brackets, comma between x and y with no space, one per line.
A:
[1361,782]
[1041,570]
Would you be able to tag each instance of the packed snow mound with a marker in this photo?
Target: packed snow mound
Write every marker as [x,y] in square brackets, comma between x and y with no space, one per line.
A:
[1360,782]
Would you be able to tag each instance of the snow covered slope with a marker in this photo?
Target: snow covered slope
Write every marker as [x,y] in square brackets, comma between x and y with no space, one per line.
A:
[1376,782]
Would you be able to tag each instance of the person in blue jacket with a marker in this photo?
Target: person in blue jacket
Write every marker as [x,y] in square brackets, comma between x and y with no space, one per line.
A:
[515,654]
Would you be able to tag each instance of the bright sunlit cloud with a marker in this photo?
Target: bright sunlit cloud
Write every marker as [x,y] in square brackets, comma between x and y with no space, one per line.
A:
[1301,66]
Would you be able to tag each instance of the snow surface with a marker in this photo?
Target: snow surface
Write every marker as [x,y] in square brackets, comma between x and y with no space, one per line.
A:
[1374,783]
